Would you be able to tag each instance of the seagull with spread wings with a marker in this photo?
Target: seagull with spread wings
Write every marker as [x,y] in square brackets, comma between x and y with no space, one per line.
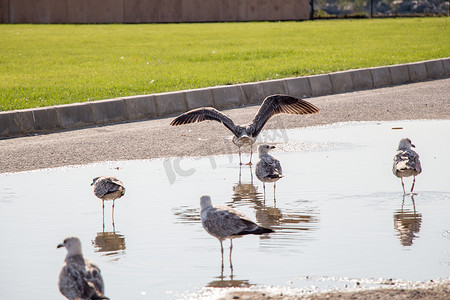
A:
[245,135]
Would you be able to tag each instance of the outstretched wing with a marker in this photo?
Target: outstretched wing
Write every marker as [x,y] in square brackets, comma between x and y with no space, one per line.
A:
[280,104]
[206,113]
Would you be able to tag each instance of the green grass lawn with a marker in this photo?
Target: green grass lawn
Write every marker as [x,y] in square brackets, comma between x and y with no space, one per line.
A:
[43,65]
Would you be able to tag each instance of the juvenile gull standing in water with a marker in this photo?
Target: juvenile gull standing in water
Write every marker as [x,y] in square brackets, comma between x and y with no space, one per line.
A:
[224,222]
[245,135]
[406,162]
[108,188]
[268,169]
[79,277]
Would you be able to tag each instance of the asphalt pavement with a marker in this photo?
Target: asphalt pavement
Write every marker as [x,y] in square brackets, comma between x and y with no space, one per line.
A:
[156,138]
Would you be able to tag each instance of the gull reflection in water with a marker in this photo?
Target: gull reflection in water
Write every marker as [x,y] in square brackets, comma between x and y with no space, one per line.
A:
[245,191]
[222,282]
[112,243]
[407,222]
[267,216]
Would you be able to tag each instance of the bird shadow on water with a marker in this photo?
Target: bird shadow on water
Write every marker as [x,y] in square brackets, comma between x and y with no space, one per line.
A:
[407,222]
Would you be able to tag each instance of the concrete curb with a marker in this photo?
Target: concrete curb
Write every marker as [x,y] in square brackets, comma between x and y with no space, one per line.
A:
[79,115]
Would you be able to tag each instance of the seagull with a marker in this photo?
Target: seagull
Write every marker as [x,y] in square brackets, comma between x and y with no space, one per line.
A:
[224,222]
[406,162]
[79,277]
[108,188]
[268,169]
[245,135]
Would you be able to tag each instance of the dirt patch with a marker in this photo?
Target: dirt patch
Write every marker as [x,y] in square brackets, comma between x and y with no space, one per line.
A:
[428,291]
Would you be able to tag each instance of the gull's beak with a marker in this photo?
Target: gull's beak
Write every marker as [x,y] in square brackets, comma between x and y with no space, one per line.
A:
[412,145]
[92,183]
[60,246]
[272,147]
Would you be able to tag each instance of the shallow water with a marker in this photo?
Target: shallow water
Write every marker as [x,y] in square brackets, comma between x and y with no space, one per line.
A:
[339,217]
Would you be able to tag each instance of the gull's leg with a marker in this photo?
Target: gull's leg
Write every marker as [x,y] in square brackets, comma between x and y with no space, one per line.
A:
[240,173]
[240,160]
[414,182]
[251,153]
[403,202]
[103,214]
[112,215]
[231,249]
[221,252]
[403,186]
[274,198]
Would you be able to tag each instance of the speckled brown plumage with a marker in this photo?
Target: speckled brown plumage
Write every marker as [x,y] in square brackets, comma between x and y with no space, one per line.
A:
[108,187]
[79,278]
[406,162]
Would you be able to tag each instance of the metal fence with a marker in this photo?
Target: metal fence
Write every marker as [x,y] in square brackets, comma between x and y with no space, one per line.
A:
[379,8]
